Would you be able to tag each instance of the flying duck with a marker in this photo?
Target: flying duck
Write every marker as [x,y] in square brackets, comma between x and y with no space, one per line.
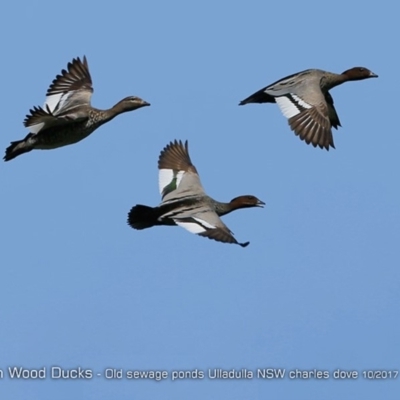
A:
[184,202]
[304,99]
[67,115]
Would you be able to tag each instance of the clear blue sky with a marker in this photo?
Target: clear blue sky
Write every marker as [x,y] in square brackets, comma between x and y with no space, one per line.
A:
[319,285]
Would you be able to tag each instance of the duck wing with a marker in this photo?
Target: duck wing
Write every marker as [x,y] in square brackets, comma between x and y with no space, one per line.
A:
[178,177]
[71,90]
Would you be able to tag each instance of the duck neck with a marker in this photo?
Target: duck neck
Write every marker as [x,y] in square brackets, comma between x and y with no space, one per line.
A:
[223,208]
[226,208]
[112,112]
[332,80]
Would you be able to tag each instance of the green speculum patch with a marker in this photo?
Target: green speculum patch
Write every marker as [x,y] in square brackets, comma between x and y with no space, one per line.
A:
[171,186]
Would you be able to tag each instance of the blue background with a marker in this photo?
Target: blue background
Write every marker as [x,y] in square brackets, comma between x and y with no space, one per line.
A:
[318,286]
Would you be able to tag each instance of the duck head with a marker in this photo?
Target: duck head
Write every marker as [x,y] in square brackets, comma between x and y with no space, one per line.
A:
[246,201]
[131,103]
[358,73]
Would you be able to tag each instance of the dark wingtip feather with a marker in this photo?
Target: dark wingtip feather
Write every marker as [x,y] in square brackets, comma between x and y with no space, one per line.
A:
[175,155]
[14,150]
[75,77]
[244,244]
[258,97]
[85,61]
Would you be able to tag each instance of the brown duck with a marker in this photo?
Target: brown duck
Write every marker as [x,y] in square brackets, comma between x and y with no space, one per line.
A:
[67,115]
[305,100]
[184,201]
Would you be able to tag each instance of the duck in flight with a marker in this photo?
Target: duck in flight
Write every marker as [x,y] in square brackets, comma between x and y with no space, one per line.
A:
[304,99]
[67,116]
[184,201]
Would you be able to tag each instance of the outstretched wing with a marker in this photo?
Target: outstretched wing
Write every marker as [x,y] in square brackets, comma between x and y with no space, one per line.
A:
[309,120]
[178,177]
[208,224]
[72,89]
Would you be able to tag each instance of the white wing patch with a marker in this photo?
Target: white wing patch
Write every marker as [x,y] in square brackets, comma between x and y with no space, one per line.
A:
[56,101]
[36,128]
[166,176]
[300,101]
[194,227]
[204,223]
[288,107]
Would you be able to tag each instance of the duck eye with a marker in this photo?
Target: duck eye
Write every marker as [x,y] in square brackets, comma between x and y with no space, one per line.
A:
[362,69]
